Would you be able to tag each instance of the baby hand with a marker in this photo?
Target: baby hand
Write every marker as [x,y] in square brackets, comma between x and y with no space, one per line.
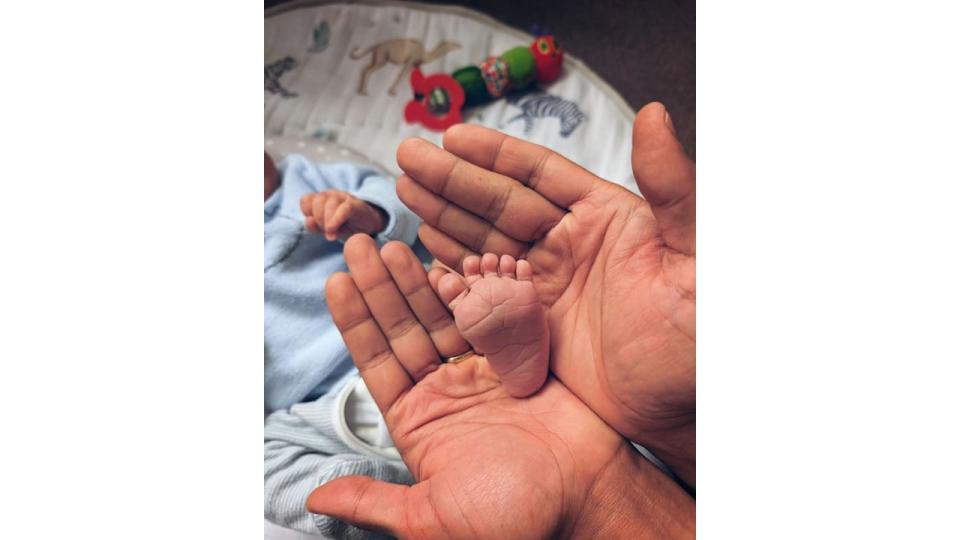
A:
[337,214]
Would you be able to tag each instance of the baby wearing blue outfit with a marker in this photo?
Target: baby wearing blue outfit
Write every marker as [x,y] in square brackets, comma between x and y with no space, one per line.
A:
[320,422]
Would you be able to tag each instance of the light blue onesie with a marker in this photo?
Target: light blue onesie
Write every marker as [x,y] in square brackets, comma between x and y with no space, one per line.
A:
[304,354]
[308,373]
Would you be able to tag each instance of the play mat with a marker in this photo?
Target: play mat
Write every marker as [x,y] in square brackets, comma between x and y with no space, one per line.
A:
[339,73]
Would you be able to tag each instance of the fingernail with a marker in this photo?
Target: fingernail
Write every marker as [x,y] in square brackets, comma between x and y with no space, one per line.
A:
[668,121]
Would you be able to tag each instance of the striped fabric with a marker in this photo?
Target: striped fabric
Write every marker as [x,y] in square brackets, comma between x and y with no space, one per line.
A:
[302,451]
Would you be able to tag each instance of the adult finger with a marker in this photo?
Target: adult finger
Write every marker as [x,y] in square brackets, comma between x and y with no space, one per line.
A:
[364,502]
[666,177]
[408,339]
[386,378]
[445,249]
[553,176]
[479,235]
[516,210]
[411,278]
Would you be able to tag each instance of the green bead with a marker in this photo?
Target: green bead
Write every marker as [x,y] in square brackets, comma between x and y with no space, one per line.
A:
[474,89]
[522,67]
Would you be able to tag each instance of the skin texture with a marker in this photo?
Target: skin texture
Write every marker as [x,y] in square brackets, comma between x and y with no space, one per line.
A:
[616,273]
[496,308]
[487,465]
[338,214]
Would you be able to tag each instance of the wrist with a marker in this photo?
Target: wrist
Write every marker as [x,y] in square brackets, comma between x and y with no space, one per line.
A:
[381,218]
[631,498]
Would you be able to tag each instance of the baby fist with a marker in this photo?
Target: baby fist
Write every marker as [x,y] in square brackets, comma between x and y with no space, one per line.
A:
[337,214]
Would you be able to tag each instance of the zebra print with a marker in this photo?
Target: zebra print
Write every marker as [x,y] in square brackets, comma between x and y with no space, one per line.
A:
[542,105]
[272,73]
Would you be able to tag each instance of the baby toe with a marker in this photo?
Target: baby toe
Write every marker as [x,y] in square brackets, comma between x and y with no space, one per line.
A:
[508,267]
[488,265]
[471,268]
[524,270]
[451,288]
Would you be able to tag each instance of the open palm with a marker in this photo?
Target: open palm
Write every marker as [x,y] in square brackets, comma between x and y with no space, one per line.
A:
[477,452]
[616,272]
[487,465]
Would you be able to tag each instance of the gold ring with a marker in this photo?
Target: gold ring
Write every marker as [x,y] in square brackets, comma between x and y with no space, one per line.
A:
[459,357]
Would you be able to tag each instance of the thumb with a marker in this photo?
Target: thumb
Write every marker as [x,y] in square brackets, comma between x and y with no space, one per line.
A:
[364,502]
[666,177]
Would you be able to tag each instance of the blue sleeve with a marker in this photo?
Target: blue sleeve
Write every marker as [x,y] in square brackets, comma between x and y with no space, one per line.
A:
[302,451]
[301,176]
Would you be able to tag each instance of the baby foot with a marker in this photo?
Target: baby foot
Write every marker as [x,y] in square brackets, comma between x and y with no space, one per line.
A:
[498,311]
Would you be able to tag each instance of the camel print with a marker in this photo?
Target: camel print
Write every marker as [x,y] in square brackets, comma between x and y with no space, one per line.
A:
[408,53]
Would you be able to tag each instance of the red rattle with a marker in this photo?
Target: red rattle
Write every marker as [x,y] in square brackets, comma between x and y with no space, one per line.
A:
[436,102]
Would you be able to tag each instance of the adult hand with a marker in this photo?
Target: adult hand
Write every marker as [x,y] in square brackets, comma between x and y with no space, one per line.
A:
[616,272]
[487,465]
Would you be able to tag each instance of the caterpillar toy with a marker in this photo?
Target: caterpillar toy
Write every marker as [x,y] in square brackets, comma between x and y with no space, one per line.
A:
[439,98]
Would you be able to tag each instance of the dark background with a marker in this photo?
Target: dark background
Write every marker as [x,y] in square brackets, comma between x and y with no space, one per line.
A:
[645,50]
